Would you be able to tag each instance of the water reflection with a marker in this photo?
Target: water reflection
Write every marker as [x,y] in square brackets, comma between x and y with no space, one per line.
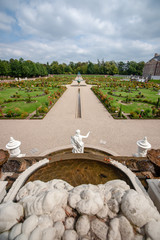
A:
[79,171]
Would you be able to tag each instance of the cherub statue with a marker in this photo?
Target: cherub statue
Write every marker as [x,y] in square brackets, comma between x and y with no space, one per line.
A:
[78,144]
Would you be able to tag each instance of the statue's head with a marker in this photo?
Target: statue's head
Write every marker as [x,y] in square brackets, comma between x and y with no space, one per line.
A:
[78,132]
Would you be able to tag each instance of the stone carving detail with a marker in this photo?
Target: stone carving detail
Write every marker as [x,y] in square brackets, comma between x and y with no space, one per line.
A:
[10,213]
[137,209]
[76,140]
[56,210]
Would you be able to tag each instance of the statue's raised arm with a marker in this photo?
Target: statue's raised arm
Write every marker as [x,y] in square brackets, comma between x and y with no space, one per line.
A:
[86,135]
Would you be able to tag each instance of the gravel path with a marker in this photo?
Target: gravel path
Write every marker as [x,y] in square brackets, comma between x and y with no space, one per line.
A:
[55,130]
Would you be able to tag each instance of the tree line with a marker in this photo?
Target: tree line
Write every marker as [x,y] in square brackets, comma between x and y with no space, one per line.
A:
[22,68]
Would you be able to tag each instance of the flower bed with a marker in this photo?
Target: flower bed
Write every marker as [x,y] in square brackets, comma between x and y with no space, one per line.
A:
[134,108]
[29,99]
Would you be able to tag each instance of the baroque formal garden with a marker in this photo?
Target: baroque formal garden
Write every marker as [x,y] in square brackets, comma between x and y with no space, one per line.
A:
[76,193]
[123,99]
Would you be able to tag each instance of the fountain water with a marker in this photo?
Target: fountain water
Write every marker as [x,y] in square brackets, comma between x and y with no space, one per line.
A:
[78,107]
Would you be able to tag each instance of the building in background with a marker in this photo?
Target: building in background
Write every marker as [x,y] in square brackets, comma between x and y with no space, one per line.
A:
[152,68]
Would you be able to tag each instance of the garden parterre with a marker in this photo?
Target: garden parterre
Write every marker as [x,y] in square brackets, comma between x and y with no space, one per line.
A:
[126,98]
[32,98]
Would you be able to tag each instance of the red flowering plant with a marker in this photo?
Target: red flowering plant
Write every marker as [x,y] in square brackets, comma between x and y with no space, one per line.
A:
[107,160]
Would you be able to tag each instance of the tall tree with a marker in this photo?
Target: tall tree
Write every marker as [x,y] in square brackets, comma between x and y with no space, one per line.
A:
[54,67]
[90,68]
[121,67]
[140,67]
[15,68]
[4,68]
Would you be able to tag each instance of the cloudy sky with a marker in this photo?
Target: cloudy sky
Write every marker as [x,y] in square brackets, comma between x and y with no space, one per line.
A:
[79,30]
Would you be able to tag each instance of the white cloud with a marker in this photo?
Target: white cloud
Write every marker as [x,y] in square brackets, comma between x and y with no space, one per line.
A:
[9,5]
[42,51]
[6,22]
[135,19]
[82,30]
[142,45]
[61,20]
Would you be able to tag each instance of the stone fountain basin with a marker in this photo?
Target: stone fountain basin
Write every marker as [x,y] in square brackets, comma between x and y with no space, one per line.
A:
[92,167]
[77,169]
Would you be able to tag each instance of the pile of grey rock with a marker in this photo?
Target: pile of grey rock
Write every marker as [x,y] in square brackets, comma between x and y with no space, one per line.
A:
[56,210]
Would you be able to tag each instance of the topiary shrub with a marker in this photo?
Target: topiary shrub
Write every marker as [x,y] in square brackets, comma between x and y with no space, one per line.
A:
[158,103]
[28,99]
[47,104]
[147,113]
[120,111]
[37,113]
[158,113]
[1,112]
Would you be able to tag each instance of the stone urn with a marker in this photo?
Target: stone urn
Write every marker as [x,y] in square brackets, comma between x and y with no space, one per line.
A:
[143,146]
[13,147]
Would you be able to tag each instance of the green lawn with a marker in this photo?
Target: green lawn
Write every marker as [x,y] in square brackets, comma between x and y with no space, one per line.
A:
[9,92]
[23,98]
[139,100]
[155,81]
[36,101]
[23,106]
[148,93]
[132,106]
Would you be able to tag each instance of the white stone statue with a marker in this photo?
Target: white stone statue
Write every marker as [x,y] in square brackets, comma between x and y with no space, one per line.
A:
[78,144]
